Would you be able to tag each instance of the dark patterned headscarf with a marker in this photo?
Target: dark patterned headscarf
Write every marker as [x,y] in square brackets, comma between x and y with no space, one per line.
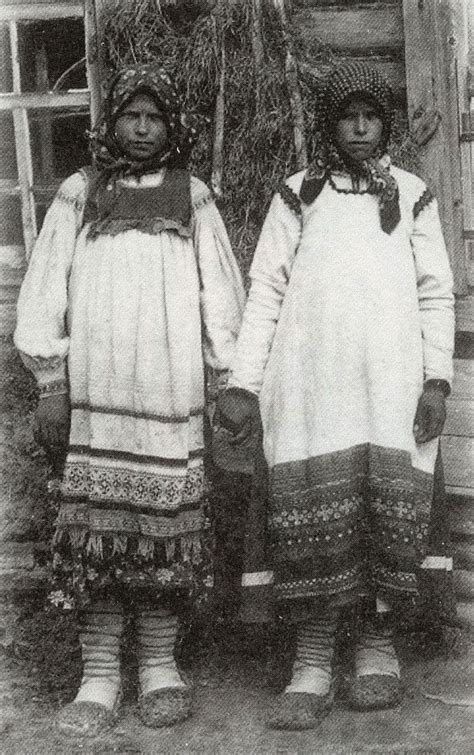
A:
[122,88]
[355,79]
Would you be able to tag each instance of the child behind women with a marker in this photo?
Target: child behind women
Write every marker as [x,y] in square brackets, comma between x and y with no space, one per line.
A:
[346,345]
[131,289]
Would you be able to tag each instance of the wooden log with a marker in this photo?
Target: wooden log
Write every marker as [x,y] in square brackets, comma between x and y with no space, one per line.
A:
[463,552]
[458,455]
[461,517]
[431,48]
[464,584]
[460,418]
[463,383]
[352,29]
[465,612]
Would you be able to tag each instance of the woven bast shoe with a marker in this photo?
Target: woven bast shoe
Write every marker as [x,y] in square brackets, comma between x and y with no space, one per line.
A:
[96,704]
[295,711]
[310,695]
[85,719]
[376,683]
[166,696]
[166,706]
[375,692]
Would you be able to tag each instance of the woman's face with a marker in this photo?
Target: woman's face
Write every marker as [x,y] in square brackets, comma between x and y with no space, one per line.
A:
[139,129]
[359,129]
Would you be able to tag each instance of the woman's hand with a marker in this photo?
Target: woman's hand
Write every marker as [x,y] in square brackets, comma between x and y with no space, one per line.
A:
[237,412]
[430,415]
[52,420]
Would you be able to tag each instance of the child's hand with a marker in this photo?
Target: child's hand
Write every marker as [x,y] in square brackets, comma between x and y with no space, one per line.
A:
[52,419]
[430,415]
[237,411]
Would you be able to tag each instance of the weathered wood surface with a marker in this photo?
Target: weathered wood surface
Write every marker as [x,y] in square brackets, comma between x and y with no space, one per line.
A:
[22,147]
[464,584]
[463,552]
[36,10]
[462,517]
[460,418]
[78,98]
[354,29]
[432,43]
[463,383]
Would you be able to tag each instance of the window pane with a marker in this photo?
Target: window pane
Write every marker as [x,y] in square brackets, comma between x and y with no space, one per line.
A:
[58,143]
[6,83]
[47,50]
[8,168]
[11,232]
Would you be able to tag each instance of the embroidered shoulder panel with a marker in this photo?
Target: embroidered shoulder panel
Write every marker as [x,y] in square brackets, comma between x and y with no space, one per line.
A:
[290,199]
[77,202]
[202,200]
[425,199]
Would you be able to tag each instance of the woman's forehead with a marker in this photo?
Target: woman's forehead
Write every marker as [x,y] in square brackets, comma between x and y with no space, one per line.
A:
[142,101]
[360,101]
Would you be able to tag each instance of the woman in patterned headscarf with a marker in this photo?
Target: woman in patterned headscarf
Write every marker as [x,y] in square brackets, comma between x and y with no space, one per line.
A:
[131,290]
[346,345]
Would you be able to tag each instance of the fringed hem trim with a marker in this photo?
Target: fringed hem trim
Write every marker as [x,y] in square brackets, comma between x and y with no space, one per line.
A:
[185,548]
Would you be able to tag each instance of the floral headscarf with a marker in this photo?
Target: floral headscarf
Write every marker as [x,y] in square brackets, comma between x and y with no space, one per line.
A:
[355,78]
[124,86]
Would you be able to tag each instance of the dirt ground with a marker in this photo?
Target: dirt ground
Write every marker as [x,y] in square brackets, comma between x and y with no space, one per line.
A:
[235,682]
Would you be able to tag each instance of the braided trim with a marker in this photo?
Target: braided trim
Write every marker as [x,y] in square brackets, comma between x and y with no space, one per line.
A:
[201,201]
[290,199]
[76,202]
[422,202]
[54,388]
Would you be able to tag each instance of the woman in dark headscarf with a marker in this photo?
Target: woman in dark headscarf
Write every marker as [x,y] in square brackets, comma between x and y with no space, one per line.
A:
[346,345]
[132,289]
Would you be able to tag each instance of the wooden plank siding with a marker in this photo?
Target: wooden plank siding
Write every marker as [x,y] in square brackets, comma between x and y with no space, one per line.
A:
[434,41]
[356,30]
[351,31]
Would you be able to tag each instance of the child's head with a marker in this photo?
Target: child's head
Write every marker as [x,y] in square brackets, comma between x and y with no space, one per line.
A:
[357,111]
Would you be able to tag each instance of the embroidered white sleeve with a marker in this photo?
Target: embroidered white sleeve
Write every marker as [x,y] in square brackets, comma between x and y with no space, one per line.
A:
[222,294]
[40,333]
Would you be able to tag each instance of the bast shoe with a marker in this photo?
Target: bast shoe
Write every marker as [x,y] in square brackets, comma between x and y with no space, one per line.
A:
[376,682]
[296,711]
[85,719]
[166,706]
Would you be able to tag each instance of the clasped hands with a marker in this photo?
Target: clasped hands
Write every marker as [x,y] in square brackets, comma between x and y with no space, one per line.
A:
[237,412]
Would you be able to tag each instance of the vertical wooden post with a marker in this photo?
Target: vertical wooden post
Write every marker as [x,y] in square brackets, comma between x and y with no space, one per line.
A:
[292,84]
[218,145]
[45,123]
[96,69]
[23,150]
[431,49]
[257,41]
